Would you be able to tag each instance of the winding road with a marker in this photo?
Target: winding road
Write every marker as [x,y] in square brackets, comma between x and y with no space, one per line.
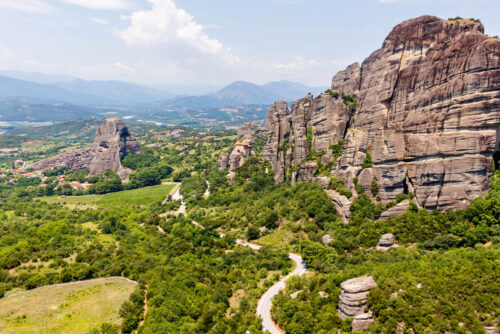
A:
[266,300]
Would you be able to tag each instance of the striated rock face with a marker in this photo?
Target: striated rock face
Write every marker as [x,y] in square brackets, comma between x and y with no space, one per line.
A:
[329,120]
[112,141]
[306,171]
[348,80]
[428,111]
[326,117]
[223,161]
[277,130]
[353,299]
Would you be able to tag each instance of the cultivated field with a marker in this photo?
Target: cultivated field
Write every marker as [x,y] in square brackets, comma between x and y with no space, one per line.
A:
[140,196]
[66,308]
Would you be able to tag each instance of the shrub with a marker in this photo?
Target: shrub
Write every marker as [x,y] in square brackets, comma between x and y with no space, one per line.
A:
[374,186]
[367,163]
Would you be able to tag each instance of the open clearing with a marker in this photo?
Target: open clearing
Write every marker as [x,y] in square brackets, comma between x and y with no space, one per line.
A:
[140,196]
[65,308]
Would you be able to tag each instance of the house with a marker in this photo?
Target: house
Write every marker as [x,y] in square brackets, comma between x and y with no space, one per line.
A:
[242,147]
[77,185]
[13,180]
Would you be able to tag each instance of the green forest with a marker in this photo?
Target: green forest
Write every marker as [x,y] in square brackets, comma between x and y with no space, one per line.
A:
[444,276]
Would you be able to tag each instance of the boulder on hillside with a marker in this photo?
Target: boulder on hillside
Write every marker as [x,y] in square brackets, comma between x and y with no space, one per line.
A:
[327,239]
[395,211]
[353,300]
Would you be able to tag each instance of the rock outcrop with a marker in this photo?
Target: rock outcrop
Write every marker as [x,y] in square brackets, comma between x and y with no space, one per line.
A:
[386,242]
[395,211]
[353,299]
[243,147]
[112,142]
[427,113]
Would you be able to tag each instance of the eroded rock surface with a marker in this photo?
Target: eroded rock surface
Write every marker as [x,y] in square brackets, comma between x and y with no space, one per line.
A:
[353,299]
[428,112]
[111,143]
[243,148]
[395,211]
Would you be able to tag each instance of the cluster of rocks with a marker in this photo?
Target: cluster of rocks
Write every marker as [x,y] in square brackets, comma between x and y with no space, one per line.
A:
[428,115]
[353,300]
[243,147]
[112,142]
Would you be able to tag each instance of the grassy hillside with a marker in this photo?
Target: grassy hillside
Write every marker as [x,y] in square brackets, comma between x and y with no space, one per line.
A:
[66,308]
[140,196]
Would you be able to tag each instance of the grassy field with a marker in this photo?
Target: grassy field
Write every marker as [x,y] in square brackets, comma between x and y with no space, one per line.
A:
[277,239]
[140,196]
[67,308]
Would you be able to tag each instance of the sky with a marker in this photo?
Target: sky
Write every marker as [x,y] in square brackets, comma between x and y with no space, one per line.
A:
[211,42]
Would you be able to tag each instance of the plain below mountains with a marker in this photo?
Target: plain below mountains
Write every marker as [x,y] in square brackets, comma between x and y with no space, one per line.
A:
[43,100]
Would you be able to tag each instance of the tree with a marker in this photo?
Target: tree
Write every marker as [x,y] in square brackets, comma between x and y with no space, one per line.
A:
[143,178]
[252,233]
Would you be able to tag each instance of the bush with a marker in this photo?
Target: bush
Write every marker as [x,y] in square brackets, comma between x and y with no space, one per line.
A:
[367,163]
[253,233]
[374,186]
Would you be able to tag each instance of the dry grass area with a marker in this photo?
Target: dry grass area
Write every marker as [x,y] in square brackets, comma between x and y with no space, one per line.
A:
[75,307]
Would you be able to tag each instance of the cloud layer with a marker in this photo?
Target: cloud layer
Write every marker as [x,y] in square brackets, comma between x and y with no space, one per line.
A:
[164,23]
[99,4]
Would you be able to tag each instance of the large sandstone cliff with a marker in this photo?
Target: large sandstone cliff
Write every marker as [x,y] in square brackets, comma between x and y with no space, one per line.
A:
[428,113]
[112,141]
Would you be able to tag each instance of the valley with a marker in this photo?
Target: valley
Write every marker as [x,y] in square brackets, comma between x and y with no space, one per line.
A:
[370,206]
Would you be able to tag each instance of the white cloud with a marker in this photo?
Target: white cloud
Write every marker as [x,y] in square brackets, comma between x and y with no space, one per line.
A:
[165,23]
[99,21]
[99,4]
[124,68]
[33,6]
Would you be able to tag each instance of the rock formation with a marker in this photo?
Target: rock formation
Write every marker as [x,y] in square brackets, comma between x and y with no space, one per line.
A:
[250,130]
[427,113]
[111,143]
[243,147]
[395,211]
[353,299]
[386,242]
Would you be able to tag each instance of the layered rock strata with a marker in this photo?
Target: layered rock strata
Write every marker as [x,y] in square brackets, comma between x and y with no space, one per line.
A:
[428,114]
[112,142]
[353,300]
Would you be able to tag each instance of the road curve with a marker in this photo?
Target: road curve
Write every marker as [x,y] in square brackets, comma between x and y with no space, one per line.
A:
[266,301]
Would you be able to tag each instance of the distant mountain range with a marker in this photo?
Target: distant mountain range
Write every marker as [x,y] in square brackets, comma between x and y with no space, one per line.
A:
[243,93]
[48,99]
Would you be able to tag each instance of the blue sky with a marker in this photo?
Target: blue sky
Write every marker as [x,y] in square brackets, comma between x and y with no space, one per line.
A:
[209,41]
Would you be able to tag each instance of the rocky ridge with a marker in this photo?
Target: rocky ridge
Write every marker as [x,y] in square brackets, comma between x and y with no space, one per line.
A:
[425,119]
[111,143]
